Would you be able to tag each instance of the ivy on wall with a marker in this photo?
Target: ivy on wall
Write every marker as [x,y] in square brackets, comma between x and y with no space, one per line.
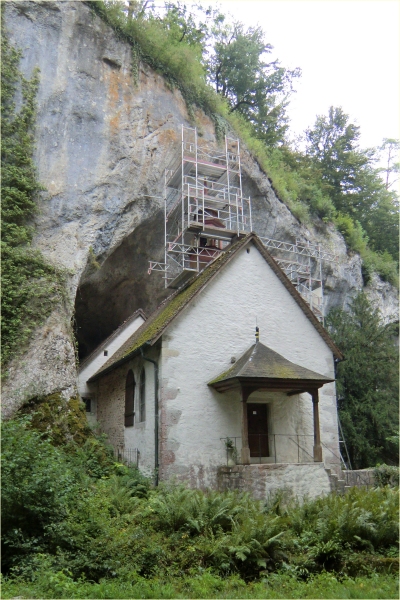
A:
[30,286]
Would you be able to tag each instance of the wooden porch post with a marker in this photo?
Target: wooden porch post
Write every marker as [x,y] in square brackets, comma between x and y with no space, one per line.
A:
[317,450]
[245,433]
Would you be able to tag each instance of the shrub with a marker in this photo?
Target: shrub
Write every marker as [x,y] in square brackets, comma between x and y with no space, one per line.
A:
[329,528]
[386,475]
[381,263]
[65,520]
[37,487]
[177,508]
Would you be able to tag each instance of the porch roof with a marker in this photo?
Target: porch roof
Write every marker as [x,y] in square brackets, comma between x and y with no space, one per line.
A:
[260,367]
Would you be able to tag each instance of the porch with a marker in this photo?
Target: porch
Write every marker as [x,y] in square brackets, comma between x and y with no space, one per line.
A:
[270,448]
[258,376]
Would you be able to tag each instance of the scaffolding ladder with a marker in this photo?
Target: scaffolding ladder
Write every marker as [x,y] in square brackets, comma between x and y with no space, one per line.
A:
[204,207]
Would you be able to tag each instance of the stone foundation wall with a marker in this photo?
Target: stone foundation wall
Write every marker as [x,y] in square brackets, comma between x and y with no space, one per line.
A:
[359,478]
[309,480]
[110,397]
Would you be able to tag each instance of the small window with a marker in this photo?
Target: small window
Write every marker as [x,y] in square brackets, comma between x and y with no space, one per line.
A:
[142,396]
[129,399]
[105,352]
[88,404]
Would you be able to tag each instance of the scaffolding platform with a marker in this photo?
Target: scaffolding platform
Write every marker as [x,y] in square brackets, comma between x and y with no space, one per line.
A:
[204,207]
[303,266]
[205,210]
[211,231]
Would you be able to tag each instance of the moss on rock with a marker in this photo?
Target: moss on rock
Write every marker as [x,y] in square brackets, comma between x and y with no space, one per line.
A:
[62,420]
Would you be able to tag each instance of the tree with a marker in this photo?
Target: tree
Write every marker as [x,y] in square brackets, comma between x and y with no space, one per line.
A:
[333,145]
[391,148]
[136,8]
[37,486]
[257,89]
[348,174]
[191,25]
[367,382]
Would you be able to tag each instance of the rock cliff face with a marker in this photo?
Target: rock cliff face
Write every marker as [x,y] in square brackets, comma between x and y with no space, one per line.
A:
[103,142]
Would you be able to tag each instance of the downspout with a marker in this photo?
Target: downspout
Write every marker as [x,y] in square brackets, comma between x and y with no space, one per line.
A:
[155,364]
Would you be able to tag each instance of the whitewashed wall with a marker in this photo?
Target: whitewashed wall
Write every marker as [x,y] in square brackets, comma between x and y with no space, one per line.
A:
[141,435]
[97,359]
[198,346]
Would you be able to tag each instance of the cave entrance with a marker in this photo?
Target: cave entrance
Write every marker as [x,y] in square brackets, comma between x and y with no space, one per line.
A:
[111,290]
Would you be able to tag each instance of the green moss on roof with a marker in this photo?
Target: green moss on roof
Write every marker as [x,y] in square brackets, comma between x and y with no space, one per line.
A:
[156,323]
[220,377]
[285,372]
[178,301]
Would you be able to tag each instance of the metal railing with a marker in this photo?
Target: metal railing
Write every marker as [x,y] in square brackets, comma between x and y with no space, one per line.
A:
[291,448]
[357,479]
[128,456]
[200,154]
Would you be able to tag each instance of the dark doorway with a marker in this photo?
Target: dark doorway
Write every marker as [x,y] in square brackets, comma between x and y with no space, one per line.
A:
[258,429]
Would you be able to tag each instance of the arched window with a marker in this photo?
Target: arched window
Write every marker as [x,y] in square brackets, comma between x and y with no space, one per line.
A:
[129,399]
[142,396]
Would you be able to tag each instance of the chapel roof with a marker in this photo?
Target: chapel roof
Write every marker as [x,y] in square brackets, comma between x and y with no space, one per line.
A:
[150,331]
[261,362]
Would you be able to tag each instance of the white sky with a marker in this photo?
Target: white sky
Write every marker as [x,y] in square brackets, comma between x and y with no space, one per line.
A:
[349,54]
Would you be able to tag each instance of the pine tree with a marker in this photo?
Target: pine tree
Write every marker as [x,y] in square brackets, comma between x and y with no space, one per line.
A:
[367,382]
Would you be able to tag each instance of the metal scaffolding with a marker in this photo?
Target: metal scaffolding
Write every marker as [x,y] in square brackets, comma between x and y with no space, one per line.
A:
[204,207]
[302,263]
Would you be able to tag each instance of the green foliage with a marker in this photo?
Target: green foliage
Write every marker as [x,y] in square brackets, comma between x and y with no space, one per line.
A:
[37,488]
[30,286]
[386,475]
[49,496]
[256,89]
[60,421]
[390,150]
[49,583]
[367,382]
[353,183]
[358,520]
[65,524]
[159,44]
[381,263]
[335,181]
[94,457]
[352,232]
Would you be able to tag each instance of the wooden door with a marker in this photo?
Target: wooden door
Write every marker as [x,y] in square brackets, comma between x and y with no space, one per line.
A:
[258,429]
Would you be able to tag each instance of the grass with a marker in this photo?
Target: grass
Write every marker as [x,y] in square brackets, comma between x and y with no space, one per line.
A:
[207,585]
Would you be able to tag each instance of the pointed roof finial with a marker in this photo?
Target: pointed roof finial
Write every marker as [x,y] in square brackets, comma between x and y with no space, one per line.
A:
[257,335]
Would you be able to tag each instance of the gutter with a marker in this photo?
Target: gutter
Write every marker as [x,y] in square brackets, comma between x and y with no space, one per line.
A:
[156,424]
